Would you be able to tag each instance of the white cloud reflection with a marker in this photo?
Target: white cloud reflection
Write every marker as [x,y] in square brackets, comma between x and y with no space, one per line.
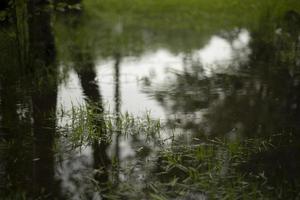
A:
[221,55]
[218,56]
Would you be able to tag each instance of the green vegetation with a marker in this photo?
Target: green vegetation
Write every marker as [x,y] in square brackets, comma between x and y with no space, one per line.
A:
[132,27]
[207,168]
[80,127]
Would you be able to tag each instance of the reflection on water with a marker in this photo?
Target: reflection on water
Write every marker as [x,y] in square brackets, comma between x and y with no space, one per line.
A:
[221,55]
[237,80]
[154,68]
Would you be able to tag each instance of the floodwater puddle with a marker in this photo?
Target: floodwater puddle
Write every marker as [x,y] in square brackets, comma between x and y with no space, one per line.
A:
[149,99]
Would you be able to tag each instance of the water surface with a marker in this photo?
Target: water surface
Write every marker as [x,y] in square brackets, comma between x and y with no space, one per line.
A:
[204,69]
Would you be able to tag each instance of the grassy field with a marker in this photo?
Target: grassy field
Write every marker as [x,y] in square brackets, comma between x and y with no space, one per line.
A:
[131,27]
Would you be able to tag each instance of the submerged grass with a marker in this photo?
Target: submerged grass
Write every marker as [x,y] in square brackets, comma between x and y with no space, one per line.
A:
[84,124]
[160,165]
[173,169]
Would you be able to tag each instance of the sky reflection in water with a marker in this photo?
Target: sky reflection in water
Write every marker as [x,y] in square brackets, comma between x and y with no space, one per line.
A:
[157,67]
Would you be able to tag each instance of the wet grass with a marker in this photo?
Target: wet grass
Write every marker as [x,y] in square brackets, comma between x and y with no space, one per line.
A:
[161,165]
[164,166]
[84,124]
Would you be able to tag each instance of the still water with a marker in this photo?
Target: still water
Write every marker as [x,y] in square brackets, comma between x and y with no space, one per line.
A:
[204,70]
[153,69]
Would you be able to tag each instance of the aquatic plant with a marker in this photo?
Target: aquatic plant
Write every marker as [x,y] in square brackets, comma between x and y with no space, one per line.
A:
[206,168]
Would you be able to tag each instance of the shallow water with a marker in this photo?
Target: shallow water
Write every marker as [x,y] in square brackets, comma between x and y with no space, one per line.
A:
[204,70]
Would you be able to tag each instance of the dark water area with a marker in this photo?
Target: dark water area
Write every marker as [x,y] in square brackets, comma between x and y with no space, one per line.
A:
[218,70]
